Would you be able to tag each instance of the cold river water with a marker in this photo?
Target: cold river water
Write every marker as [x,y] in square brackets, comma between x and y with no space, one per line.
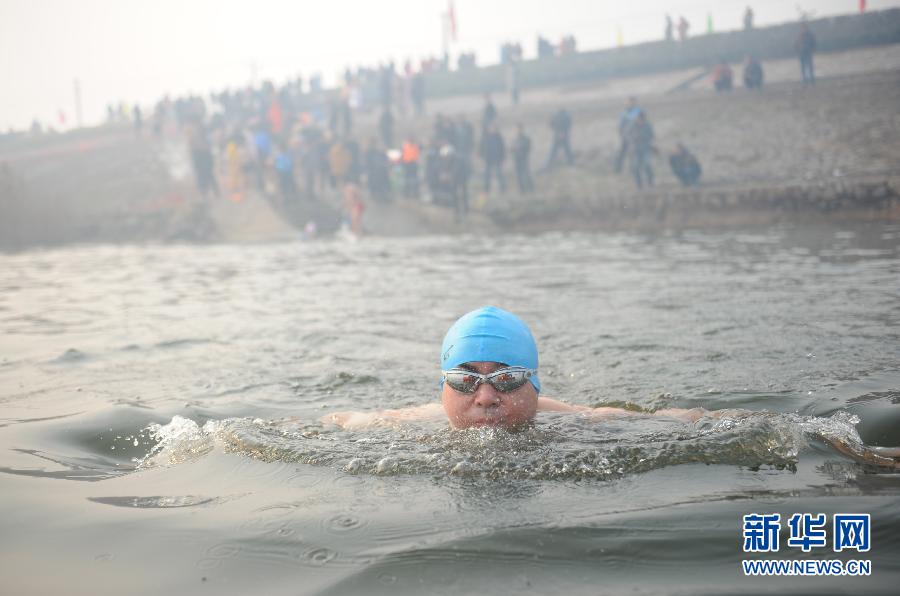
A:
[160,405]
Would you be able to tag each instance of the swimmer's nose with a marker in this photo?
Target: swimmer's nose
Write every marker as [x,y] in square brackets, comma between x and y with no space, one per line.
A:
[486,396]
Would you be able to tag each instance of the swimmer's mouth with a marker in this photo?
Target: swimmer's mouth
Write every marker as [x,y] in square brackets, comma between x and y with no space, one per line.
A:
[489,421]
[502,423]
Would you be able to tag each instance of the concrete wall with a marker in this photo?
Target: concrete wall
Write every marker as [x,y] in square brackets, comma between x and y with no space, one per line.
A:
[832,34]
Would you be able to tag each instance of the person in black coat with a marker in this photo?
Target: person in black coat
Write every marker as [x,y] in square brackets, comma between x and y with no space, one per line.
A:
[561,125]
[685,166]
[753,73]
[521,151]
[493,151]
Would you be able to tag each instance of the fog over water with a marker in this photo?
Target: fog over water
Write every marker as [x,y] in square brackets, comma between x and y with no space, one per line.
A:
[134,52]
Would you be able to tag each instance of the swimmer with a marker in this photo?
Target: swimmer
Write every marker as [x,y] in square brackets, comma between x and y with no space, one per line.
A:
[489,377]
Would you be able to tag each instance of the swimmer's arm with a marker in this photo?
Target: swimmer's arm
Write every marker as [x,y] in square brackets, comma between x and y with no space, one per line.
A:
[691,415]
[882,457]
[547,404]
[354,420]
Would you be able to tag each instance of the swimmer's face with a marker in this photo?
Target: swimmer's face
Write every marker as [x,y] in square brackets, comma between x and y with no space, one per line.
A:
[487,406]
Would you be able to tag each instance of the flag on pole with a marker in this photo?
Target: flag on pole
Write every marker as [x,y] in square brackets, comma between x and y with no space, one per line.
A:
[451,17]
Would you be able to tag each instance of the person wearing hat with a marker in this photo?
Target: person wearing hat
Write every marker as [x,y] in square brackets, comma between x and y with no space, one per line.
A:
[489,377]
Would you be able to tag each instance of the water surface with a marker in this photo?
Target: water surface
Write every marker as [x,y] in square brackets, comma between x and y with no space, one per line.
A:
[159,413]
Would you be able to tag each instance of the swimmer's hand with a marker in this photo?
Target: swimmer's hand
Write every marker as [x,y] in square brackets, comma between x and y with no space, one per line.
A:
[350,420]
[886,458]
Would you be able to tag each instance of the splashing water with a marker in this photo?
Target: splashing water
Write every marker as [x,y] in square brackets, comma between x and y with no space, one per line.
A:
[558,446]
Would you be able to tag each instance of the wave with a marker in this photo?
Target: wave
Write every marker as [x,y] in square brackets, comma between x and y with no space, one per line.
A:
[558,447]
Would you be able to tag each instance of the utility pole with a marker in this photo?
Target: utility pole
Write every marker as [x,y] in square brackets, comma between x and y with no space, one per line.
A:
[448,31]
[77,86]
[445,36]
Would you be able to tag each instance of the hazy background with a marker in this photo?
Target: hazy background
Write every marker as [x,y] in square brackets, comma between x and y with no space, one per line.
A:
[137,51]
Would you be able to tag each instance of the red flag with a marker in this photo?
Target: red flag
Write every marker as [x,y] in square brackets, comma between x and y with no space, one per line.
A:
[451,16]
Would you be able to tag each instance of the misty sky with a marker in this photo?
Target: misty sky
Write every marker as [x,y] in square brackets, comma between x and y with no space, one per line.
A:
[136,51]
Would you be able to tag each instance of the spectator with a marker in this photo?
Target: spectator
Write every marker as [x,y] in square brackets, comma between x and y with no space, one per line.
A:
[748,19]
[355,172]
[567,45]
[722,77]
[339,162]
[626,119]
[488,114]
[417,93]
[685,166]
[201,158]
[640,142]
[311,159]
[493,151]
[465,137]
[683,27]
[561,125]
[432,170]
[262,145]
[410,160]
[386,128]
[805,45]
[466,61]
[465,149]
[521,151]
[669,28]
[284,167]
[450,181]
[512,80]
[753,73]
[378,176]
[544,48]
[386,86]
[235,166]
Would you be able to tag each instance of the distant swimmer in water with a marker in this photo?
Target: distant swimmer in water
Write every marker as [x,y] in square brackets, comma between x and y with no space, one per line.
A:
[489,377]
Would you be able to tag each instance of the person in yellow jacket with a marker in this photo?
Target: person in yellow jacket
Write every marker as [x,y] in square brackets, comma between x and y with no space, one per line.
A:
[235,168]
[339,161]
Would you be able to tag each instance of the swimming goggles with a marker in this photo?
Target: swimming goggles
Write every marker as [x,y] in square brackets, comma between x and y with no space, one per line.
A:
[503,380]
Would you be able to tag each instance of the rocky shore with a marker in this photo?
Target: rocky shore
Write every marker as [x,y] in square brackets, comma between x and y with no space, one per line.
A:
[786,153]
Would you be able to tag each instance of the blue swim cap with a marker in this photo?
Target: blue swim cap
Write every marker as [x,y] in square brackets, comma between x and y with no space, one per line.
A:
[490,334]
